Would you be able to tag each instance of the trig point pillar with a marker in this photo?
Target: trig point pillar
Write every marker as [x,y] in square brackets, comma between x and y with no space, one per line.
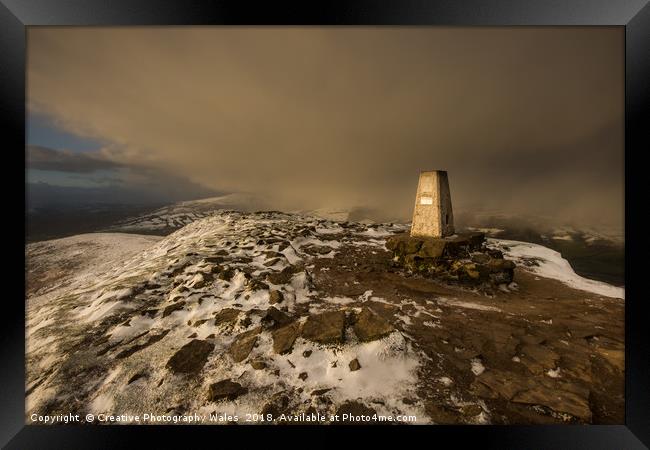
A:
[433,216]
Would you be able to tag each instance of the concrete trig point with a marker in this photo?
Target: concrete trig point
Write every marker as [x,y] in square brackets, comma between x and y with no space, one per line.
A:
[433,216]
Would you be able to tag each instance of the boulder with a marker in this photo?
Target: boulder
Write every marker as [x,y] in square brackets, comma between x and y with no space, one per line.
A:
[370,326]
[325,328]
[354,365]
[413,245]
[283,338]
[243,344]
[396,243]
[226,274]
[538,358]
[274,318]
[226,315]
[558,400]
[432,248]
[282,277]
[480,258]
[476,240]
[500,265]
[258,364]
[171,308]
[494,253]
[457,245]
[257,285]
[225,390]
[275,296]
[191,357]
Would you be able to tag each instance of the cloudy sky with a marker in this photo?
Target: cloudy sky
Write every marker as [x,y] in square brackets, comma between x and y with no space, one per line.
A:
[526,120]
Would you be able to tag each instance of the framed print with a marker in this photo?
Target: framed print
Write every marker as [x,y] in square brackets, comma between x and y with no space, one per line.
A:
[242,216]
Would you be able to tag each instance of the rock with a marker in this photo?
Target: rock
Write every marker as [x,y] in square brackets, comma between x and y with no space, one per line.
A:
[354,365]
[283,338]
[412,245]
[397,243]
[191,357]
[495,384]
[282,277]
[432,248]
[614,357]
[500,265]
[303,376]
[257,285]
[318,250]
[354,409]
[325,328]
[171,308]
[370,326]
[243,344]
[557,400]
[275,296]
[226,274]
[457,245]
[226,315]
[320,391]
[276,406]
[441,414]
[527,390]
[258,364]
[199,281]
[471,271]
[480,258]
[225,389]
[476,239]
[274,318]
[472,410]
[538,358]
[494,253]
[216,259]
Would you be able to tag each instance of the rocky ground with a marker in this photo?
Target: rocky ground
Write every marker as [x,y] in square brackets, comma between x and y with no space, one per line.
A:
[277,314]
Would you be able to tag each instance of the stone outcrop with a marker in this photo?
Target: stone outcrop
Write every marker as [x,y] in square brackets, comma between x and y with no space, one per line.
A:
[225,390]
[191,357]
[243,344]
[325,328]
[461,258]
[283,338]
[370,326]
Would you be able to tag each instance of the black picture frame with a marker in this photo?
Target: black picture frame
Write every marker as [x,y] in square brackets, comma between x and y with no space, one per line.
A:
[633,15]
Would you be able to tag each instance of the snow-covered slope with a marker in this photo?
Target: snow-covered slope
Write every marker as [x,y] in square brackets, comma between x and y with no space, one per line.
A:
[101,339]
[170,292]
[169,218]
[548,263]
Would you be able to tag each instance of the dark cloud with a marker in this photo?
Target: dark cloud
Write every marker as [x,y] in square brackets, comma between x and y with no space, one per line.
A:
[117,183]
[43,158]
[526,120]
